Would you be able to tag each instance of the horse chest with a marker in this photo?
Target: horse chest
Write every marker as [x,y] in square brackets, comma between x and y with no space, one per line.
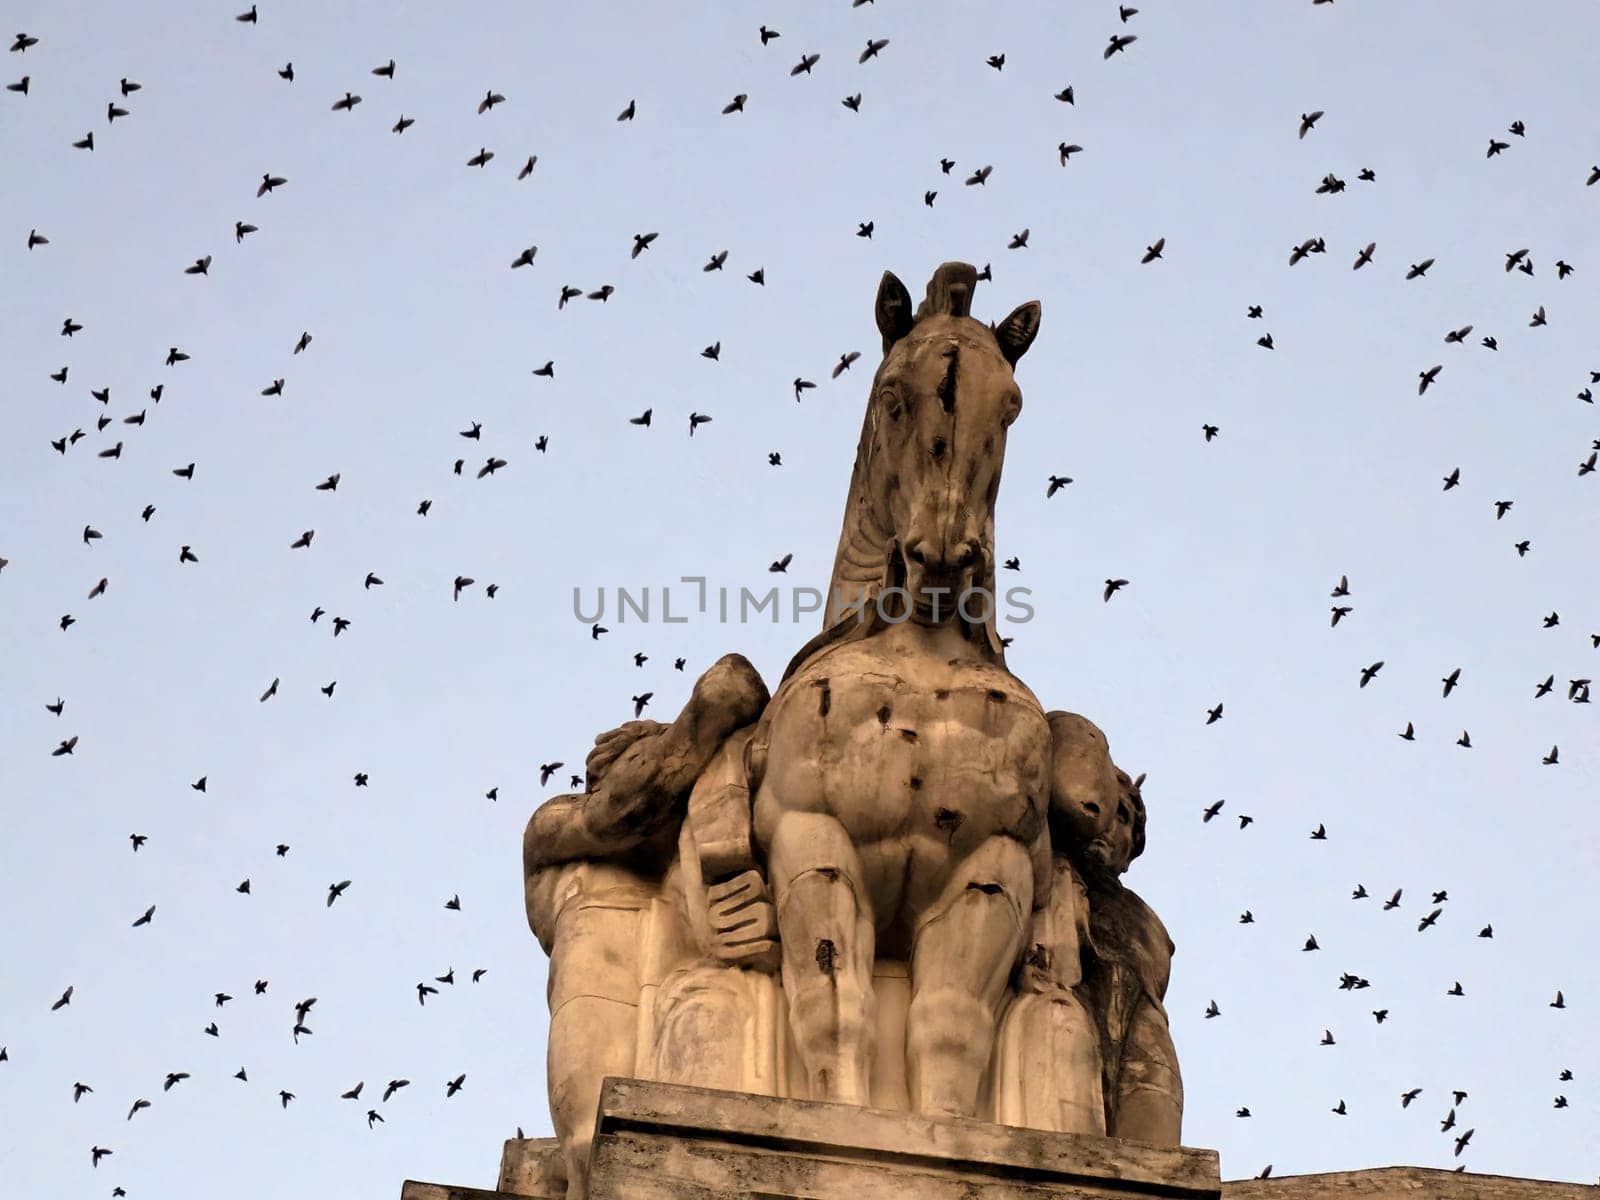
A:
[898,742]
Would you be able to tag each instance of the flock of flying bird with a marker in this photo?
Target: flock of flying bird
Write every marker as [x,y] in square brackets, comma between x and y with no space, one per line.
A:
[1576,689]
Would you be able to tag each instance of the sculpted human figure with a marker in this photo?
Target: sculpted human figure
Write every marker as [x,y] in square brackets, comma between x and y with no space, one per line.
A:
[1131,964]
[1047,1069]
[593,865]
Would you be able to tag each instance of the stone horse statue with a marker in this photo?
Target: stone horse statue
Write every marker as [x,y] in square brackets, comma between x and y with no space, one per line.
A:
[876,885]
[901,772]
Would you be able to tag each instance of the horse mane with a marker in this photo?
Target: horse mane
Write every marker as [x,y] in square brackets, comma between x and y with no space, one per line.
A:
[864,559]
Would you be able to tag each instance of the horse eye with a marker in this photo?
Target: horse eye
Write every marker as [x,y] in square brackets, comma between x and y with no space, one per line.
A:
[938,447]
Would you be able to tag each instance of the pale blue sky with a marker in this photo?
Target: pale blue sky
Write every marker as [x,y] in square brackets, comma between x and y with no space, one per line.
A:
[395,256]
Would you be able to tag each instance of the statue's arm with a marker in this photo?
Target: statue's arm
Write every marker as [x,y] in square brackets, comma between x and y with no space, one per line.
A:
[568,828]
[640,774]
[1154,950]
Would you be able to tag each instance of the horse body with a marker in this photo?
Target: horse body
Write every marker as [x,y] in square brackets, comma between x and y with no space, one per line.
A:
[921,749]
[901,773]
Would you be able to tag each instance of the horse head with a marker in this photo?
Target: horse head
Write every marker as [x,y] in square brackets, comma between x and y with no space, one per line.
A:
[920,516]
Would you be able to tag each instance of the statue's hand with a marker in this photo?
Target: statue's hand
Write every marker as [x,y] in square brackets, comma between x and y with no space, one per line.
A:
[609,746]
[743,921]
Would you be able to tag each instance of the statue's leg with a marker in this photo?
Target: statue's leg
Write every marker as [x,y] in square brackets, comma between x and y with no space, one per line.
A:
[594,1007]
[1149,1101]
[961,962]
[590,1037]
[826,930]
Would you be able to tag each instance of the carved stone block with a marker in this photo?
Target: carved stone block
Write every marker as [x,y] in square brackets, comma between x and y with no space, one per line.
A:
[663,1142]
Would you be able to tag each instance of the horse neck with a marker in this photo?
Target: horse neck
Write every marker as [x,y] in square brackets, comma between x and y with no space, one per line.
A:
[860,564]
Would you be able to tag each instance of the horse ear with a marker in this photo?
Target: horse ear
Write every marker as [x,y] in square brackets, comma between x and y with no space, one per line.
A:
[1016,333]
[893,310]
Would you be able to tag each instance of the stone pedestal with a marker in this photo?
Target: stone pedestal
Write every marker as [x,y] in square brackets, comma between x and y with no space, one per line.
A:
[656,1141]
[660,1142]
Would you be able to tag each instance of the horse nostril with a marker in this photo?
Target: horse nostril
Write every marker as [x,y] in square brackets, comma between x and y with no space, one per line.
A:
[914,553]
[969,555]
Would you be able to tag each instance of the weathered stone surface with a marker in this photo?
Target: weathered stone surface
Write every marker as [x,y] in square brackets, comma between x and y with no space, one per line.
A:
[411,1189]
[533,1167]
[1405,1183]
[1383,1183]
[896,880]
[661,1142]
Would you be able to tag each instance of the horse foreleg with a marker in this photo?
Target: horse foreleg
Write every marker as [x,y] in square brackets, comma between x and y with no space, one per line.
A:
[961,962]
[826,929]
